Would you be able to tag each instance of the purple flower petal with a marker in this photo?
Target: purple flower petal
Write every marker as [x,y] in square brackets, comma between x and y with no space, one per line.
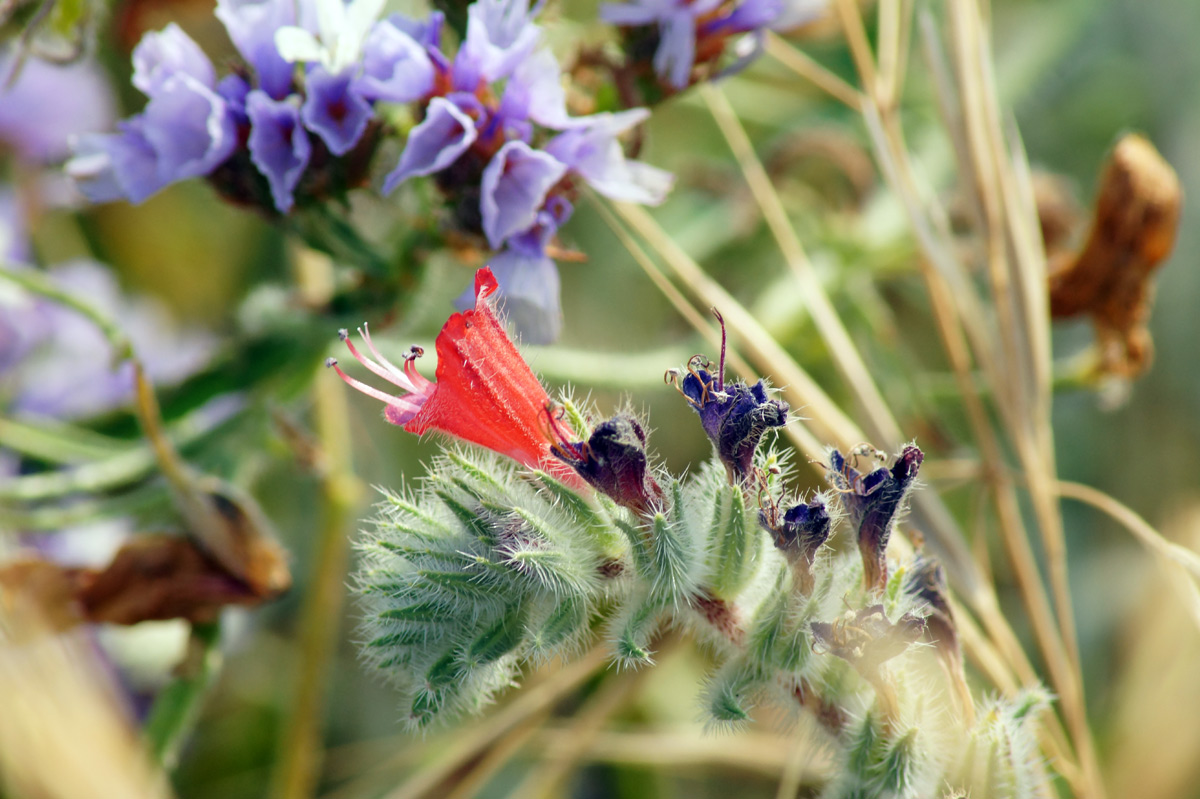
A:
[251,25]
[534,240]
[396,67]
[189,127]
[535,92]
[279,145]
[676,53]
[514,187]
[163,55]
[595,153]
[529,295]
[234,89]
[334,111]
[14,243]
[500,35]
[39,129]
[113,166]
[750,15]
[436,143]
[427,33]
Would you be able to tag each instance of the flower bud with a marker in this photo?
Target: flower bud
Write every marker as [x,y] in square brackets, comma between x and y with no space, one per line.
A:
[801,531]
[613,461]
[873,501]
[734,416]
[866,639]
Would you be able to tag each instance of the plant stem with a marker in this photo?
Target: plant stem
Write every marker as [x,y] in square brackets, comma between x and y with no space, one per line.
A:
[177,706]
[300,745]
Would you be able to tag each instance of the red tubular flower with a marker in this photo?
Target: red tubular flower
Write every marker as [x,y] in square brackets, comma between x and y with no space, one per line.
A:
[485,393]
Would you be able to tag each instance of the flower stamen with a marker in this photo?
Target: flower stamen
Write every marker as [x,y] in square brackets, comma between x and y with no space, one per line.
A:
[403,404]
[384,368]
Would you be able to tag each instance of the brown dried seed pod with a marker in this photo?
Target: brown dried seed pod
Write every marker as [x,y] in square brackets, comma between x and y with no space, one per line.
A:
[1133,229]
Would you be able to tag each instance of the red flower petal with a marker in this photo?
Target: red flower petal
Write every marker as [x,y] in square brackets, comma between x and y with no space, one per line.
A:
[485,393]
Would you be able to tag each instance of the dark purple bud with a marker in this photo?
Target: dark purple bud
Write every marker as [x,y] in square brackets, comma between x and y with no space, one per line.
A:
[873,501]
[734,416]
[926,580]
[799,534]
[866,639]
[613,461]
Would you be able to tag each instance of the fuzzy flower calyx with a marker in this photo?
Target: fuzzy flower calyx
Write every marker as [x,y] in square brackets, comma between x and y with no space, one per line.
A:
[485,393]
[873,501]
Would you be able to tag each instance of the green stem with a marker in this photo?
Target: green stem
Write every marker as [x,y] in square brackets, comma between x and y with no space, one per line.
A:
[300,754]
[110,473]
[36,282]
[177,707]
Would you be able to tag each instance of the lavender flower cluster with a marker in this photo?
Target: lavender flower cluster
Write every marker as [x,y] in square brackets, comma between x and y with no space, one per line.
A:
[494,132]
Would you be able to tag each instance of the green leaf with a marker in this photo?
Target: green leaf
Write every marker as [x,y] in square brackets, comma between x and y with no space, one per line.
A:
[735,542]
[446,670]
[417,612]
[499,640]
[568,618]
[474,523]
[635,628]
[593,522]
[671,562]
[729,694]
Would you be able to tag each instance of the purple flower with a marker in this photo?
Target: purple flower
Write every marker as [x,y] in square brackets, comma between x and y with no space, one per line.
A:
[528,277]
[162,56]
[445,134]
[799,534]
[676,22]
[514,188]
[48,104]
[189,127]
[278,144]
[592,150]
[750,15]
[251,25]
[613,461]
[500,35]
[396,67]
[873,501]
[333,110]
[68,372]
[734,416]
[535,92]
[427,33]
[685,27]
[114,166]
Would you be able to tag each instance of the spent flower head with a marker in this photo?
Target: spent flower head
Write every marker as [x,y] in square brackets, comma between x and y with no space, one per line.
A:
[873,500]
[734,415]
